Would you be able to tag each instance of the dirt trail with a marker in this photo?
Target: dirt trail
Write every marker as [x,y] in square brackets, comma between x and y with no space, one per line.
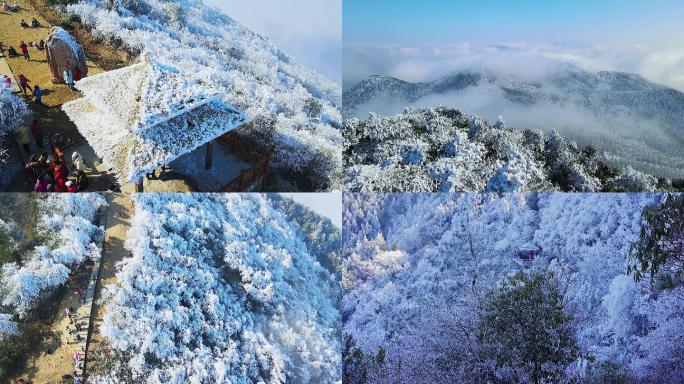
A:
[56,356]
[52,119]
[118,223]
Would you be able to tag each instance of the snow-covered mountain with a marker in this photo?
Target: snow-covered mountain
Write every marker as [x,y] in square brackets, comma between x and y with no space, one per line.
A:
[602,92]
[639,123]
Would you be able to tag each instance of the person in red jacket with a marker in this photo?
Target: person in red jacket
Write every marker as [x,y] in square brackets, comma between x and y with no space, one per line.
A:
[24,84]
[71,186]
[61,174]
[24,50]
[77,74]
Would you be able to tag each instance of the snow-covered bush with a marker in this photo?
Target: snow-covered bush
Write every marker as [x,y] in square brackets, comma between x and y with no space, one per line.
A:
[291,107]
[415,269]
[220,289]
[632,180]
[70,238]
[12,110]
[7,326]
[449,152]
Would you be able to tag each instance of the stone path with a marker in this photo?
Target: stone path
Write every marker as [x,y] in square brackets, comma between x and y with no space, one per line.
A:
[84,314]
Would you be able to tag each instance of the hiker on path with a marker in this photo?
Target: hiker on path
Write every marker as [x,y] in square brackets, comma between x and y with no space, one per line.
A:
[24,84]
[69,78]
[24,48]
[81,299]
[78,175]
[41,45]
[37,133]
[67,311]
[38,95]
[32,168]
[23,23]
[35,23]
[77,356]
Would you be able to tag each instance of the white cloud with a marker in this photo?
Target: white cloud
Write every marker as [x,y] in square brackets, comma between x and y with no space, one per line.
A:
[310,30]
[663,65]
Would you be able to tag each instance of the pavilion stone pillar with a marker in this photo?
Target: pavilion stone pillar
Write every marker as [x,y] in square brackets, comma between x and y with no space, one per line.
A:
[139,184]
[209,159]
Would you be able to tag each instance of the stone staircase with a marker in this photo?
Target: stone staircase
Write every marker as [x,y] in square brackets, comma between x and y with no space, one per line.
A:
[84,314]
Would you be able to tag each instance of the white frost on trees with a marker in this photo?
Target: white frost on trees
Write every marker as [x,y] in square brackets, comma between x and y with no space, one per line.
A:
[415,265]
[441,150]
[220,288]
[7,326]
[66,223]
[12,110]
[290,106]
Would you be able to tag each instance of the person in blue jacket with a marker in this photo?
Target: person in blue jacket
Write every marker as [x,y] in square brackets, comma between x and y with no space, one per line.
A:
[38,95]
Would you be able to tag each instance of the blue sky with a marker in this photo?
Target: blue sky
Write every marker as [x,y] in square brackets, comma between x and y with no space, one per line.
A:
[310,30]
[423,40]
[485,22]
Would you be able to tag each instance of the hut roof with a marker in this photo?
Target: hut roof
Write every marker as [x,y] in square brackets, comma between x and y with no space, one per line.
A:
[145,94]
[146,115]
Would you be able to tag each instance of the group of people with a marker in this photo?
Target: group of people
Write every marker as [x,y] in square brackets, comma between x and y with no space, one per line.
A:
[24,47]
[50,173]
[78,327]
[34,23]
[7,8]
[36,92]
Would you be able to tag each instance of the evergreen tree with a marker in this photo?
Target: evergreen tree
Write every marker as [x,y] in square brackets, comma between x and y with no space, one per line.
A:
[525,330]
[660,248]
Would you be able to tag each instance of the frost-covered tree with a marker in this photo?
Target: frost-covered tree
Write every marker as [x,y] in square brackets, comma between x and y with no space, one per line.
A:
[70,238]
[220,289]
[12,110]
[526,330]
[660,248]
[416,267]
[7,326]
[441,150]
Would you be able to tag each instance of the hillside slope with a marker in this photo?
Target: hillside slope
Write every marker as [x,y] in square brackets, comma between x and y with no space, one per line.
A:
[415,267]
[292,108]
[640,123]
[443,150]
